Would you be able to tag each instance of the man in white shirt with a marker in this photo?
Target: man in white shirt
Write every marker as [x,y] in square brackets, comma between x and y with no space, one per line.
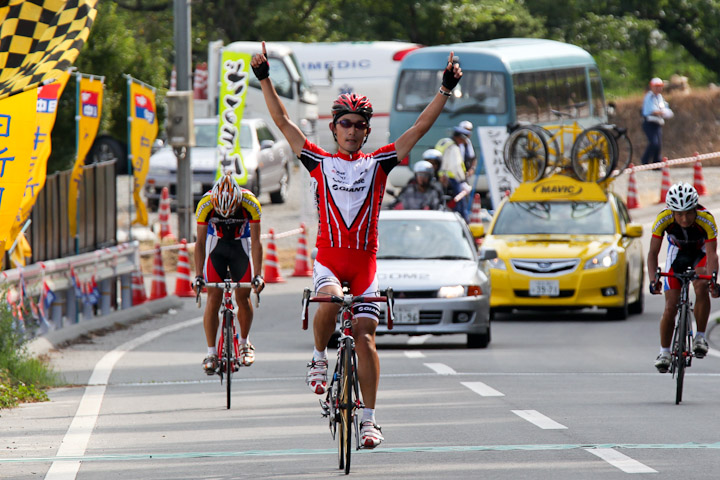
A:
[655,111]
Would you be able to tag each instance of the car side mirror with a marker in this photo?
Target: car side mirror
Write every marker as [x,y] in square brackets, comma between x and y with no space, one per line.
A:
[634,230]
[488,254]
[266,144]
[477,230]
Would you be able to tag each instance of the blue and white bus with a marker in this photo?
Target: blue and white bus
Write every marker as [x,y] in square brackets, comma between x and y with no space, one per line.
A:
[505,81]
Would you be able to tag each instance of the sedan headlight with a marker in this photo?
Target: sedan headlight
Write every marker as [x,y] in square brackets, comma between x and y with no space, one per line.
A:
[605,259]
[454,291]
[496,263]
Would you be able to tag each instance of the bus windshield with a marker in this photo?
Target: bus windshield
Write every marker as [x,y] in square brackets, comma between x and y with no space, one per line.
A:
[479,92]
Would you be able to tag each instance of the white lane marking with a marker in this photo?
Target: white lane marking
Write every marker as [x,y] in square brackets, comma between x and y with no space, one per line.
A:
[482,389]
[418,340]
[621,461]
[414,354]
[78,434]
[713,353]
[441,368]
[538,419]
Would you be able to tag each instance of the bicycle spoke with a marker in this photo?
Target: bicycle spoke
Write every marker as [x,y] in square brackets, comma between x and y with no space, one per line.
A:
[526,154]
[594,155]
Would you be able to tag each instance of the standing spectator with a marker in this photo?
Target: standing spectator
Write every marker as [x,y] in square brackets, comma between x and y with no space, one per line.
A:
[655,111]
[470,159]
[453,166]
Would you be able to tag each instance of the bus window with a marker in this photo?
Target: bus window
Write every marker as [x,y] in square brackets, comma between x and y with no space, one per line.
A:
[599,108]
[537,93]
[479,92]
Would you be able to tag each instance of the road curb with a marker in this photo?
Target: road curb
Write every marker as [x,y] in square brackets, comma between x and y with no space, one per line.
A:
[42,345]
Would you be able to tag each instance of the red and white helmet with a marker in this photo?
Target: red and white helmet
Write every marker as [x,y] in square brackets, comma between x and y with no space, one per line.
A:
[226,195]
[352,103]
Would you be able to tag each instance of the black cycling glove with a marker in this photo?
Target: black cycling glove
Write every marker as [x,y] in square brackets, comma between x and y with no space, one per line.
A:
[449,81]
[262,71]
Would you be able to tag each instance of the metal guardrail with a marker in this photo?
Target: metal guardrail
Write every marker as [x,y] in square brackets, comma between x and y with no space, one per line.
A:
[106,267]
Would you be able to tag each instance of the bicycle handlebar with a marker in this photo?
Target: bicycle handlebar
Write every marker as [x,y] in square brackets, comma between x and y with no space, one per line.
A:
[347,301]
[689,275]
[227,285]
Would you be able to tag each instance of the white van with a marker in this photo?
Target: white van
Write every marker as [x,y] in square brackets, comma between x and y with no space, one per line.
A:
[298,97]
[366,68]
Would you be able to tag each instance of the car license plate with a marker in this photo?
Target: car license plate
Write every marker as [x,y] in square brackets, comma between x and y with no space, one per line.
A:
[407,316]
[544,288]
[197,187]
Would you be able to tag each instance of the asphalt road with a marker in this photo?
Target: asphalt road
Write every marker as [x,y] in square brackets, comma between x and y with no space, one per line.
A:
[553,397]
[570,397]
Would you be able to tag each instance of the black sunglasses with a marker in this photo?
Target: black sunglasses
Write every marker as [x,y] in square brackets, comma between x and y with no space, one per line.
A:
[359,125]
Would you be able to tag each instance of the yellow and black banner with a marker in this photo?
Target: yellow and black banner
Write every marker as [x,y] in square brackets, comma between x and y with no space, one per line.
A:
[40,39]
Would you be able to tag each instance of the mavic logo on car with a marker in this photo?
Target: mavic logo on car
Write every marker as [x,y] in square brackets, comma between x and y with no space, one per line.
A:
[558,189]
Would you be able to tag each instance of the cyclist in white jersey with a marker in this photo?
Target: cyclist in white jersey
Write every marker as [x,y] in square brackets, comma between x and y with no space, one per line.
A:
[349,187]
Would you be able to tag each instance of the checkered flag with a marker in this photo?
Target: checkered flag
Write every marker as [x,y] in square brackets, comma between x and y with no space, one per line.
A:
[39,38]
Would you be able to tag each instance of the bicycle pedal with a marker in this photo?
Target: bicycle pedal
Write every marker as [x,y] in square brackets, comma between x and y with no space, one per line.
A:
[325,408]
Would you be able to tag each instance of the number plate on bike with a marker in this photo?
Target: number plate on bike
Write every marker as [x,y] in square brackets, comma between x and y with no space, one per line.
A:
[544,288]
[407,316]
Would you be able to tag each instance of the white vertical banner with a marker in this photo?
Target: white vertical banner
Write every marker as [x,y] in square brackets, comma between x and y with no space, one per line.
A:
[500,180]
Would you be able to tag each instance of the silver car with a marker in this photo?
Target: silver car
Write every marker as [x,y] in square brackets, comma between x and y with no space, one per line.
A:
[430,260]
[266,158]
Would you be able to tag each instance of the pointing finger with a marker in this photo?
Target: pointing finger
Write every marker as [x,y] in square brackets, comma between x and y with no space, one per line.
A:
[264,51]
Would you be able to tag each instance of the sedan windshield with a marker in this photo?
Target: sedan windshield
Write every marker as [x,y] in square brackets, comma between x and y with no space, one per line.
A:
[206,136]
[576,218]
[426,239]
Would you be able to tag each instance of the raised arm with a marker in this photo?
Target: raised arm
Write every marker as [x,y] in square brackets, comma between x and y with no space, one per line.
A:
[406,141]
[292,132]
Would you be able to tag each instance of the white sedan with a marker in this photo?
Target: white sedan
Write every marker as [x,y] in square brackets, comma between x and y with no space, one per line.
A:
[430,260]
[265,157]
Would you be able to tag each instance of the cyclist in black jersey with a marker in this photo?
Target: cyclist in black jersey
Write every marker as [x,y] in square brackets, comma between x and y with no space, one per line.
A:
[692,242]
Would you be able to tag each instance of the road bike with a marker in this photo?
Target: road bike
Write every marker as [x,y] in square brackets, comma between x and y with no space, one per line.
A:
[681,353]
[227,346]
[343,395]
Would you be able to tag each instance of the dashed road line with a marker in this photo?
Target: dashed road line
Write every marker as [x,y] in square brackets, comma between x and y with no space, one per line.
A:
[621,461]
[538,419]
[441,368]
[418,339]
[482,389]
[414,354]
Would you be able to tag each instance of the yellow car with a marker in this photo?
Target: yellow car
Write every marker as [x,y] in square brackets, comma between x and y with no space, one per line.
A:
[563,244]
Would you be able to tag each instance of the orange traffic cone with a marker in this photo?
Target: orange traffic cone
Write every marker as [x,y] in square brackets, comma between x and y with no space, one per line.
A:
[164,215]
[183,287]
[302,263]
[475,211]
[698,180]
[138,288]
[632,200]
[158,288]
[272,272]
[665,186]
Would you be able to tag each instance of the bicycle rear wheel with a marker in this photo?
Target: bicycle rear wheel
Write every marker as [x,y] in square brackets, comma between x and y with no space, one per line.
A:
[594,154]
[526,154]
[347,382]
[683,349]
[229,350]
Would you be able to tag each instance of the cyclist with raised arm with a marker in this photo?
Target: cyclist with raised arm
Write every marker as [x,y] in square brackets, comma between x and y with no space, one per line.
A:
[692,242]
[349,187]
[228,238]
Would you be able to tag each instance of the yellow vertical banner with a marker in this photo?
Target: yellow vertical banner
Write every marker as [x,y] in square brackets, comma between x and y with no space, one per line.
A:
[17,128]
[89,109]
[48,97]
[231,105]
[143,130]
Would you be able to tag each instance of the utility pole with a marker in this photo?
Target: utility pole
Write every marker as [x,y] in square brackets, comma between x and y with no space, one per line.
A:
[183,194]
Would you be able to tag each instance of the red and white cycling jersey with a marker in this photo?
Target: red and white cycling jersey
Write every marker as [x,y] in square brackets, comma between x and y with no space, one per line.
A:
[348,193]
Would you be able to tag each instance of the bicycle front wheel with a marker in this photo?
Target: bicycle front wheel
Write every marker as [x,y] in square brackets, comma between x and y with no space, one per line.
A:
[682,347]
[594,155]
[229,351]
[526,154]
[347,382]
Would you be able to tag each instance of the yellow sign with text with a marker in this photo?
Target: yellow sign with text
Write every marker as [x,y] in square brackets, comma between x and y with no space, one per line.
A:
[558,188]
[143,130]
